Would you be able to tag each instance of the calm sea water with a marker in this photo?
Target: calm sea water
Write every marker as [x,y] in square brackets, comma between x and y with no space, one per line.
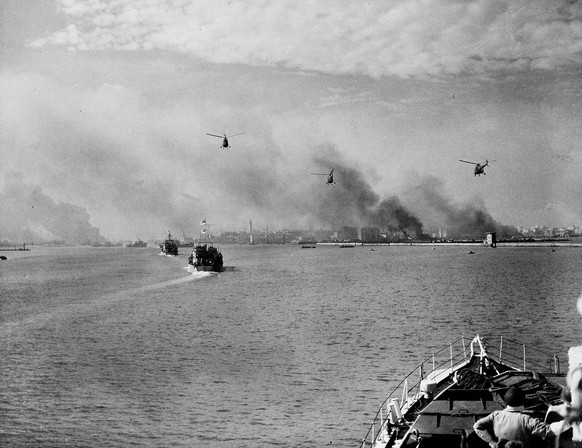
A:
[112,347]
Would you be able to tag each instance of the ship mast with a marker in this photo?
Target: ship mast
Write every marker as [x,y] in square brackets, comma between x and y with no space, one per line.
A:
[204,231]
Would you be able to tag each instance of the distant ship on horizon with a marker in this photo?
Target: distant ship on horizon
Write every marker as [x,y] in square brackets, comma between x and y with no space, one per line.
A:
[137,243]
[169,246]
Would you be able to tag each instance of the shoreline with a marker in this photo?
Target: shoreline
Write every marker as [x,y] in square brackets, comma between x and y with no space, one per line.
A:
[469,243]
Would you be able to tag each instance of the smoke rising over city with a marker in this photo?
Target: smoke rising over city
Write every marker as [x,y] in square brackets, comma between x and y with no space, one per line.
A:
[352,201]
[265,191]
[424,207]
[134,168]
[468,220]
[28,215]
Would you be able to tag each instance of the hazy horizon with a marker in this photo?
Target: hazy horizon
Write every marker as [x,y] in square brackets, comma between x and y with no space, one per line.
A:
[105,109]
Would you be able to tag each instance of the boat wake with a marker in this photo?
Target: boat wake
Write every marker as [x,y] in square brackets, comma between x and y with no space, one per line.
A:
[165,284]
[199,274]
[194,275]
[176,281]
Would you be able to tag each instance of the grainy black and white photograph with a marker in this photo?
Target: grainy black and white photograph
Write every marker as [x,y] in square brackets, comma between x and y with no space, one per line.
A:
[243,223]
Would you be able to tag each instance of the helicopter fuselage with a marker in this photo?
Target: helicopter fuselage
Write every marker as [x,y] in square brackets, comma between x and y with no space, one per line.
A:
[480,169]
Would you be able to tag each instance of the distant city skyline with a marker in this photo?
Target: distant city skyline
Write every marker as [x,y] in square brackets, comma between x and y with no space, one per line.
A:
[287,235]
[34,216]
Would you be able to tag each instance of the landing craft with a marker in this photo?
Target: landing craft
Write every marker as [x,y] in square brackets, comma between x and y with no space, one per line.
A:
[329,176]
[225,138]
[479,168]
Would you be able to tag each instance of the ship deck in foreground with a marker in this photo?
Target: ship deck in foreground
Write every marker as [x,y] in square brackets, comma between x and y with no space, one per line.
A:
[467,381]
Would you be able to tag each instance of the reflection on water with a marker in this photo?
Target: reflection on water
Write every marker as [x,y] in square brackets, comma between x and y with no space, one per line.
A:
[287,347]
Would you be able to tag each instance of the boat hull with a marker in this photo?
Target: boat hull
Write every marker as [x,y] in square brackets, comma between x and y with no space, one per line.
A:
[208,268]
[206,258]
[169,251]
[169,246]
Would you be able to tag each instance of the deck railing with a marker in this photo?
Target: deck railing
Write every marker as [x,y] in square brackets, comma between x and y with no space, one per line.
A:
[521,357]
[440,364]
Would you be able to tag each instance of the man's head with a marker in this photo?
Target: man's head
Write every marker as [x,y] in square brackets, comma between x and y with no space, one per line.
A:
[514,397]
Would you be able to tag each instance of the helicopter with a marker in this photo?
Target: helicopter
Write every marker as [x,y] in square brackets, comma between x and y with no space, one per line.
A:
[479,167]
[329,176]
[224,139]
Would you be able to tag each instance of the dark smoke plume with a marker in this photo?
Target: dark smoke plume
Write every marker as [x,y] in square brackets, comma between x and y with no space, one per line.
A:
[351,201]
[469,220]
[390,213]
[28,215]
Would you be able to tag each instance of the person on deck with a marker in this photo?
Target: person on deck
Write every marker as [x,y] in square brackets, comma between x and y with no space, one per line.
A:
[511,424]
[559,412]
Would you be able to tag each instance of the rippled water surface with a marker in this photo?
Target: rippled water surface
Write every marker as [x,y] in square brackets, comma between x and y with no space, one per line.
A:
[288,347]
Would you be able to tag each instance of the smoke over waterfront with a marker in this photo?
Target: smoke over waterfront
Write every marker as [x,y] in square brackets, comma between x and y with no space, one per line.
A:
[352,201]
[28,215]
[137,160]
[429,200]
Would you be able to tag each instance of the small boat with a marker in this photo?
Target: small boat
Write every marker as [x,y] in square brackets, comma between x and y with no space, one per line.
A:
[439,408]
[206,257]
[308,246]
[169,246]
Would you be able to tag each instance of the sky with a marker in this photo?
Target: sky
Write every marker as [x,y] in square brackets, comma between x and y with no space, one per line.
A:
[105,107]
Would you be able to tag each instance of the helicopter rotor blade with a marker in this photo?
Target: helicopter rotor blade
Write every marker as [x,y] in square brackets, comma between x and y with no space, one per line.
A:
[235,135]
[214,135]
[319,174]
[466,161]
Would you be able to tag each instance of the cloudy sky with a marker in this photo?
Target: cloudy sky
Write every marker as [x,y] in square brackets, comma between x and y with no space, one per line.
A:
[105,105]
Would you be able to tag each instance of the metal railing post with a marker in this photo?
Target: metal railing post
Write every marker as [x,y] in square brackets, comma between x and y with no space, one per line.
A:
[381,422]
[405,391]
